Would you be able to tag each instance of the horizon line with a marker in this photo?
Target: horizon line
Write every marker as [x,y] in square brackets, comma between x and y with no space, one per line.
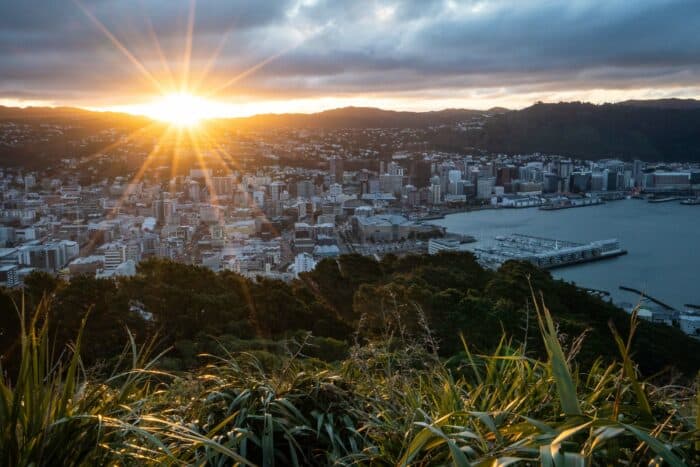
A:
[121,109]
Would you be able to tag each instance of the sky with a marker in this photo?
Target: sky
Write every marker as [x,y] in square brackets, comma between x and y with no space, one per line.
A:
[244,57]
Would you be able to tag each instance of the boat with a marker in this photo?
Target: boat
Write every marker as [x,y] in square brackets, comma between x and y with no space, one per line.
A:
[691,201]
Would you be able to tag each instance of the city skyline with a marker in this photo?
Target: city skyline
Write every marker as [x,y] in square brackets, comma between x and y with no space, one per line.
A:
[244,58]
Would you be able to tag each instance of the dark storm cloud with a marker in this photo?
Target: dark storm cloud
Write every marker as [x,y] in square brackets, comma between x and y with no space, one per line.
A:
[50,49]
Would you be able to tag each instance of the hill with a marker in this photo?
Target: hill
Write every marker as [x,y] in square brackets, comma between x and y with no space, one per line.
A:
[346,117]
[69,115]
[655,130]
[652,131]
[673,103]
[360,117]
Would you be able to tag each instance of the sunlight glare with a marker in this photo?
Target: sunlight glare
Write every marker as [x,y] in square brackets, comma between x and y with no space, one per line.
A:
[181,109]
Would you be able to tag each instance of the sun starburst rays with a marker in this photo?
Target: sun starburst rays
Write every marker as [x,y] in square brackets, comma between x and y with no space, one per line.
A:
[187,57]
[180,104]
[122,48]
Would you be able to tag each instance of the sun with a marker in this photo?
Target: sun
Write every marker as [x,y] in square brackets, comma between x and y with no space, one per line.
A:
[181,109]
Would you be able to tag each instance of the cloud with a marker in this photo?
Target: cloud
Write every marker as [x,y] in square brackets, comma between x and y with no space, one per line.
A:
[51,50]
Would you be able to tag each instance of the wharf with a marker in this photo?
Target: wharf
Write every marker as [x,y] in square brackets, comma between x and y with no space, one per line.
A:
[571,203]
[665,306]
[546,253]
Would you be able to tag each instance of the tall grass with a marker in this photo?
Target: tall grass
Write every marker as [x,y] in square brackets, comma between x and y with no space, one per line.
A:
[51,413]
[391,402]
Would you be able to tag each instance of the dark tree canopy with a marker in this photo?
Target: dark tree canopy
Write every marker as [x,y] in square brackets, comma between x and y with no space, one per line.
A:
[195,310]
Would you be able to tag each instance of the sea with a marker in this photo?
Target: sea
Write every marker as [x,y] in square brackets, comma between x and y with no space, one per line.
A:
[662,242]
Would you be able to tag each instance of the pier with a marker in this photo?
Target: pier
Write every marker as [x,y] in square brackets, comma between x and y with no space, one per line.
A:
[569,203]
[650,298]
[547,253]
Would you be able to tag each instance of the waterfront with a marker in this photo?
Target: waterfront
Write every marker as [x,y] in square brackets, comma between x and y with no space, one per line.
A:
[662,241]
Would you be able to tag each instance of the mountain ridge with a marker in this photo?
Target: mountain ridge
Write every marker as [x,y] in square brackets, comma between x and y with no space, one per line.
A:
[356,114]
[651,132]
[655,130]
[7,112]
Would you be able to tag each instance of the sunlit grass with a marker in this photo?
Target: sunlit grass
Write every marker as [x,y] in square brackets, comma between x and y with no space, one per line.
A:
[391,402]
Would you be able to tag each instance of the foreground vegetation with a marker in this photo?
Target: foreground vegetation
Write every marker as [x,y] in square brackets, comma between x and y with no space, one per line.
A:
[393,400]
[192,310]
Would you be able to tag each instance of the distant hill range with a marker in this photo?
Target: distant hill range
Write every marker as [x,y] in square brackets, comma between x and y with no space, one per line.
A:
[67,115]
[364,117]
[652,130]
[346,117]
[678,104]
[660,130]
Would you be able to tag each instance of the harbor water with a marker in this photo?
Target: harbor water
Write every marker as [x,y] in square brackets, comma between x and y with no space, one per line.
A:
[662,241]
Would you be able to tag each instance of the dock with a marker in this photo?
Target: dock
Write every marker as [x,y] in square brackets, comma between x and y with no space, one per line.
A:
[569,203]
[545,252]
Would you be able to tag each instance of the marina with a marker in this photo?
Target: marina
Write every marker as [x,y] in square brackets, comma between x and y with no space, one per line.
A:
[545,252]
[666,269]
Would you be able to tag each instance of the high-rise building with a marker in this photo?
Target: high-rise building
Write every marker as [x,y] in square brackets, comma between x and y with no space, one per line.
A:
[335,190]
[565,168]
[484,187]
[115,254]
[435,193]
[580,182]
[390,183]
[276,189]
[303,238]
[637,168]
[194,191]
[506,175]
[420,173]
[223,185]
[552,183]
[599,181]
[305,189]
[611,181]
[412,195]
[456,187]
[335,169]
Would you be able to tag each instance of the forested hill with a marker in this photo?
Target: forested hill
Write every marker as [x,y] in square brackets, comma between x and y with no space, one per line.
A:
[195,310]
[346,117]
[649,130]
[361,117]
[653,130]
